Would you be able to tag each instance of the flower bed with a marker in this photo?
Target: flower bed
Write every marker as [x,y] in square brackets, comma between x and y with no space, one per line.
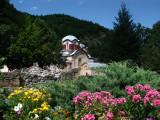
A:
[28,104]
[141,103]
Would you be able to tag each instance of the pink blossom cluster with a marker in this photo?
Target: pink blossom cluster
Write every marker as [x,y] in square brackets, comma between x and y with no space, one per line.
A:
[122,113]
[102,97]
[109,115]
[136,98]
[139,87]
[142,88]
[130,90]
[151,96]
[88,117]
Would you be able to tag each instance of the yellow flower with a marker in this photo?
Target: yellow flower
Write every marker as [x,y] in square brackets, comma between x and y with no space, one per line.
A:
[12,94]
[35,99]
[9,96]
[34,111]
[20,88]
[45,108]
[26,93]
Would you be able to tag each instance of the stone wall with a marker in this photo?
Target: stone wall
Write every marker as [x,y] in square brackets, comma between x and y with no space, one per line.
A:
[35,74]
[27,77]
[10,79]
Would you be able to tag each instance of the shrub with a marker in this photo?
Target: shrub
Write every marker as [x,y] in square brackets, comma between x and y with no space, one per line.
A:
[142,102]
[3,104]
[31,104]
[24,103]
[99,105]
[118,75]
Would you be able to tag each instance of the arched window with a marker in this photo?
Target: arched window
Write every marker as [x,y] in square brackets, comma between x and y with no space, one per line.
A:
[79,61]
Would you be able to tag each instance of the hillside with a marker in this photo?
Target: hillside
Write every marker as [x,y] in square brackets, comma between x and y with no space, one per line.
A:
[90,34]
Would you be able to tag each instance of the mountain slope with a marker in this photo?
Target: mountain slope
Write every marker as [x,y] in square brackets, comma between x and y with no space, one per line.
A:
[90,34]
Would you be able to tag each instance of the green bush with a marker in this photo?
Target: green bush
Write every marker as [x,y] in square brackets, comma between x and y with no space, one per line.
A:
[118,75]
[3,106]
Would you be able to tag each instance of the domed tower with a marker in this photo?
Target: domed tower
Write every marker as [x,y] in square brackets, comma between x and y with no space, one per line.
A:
[70,44]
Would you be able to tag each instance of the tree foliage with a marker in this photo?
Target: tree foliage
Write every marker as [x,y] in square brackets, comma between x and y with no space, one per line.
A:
[34,43]
[20,35]
[89,33]
[124,43]
[150,54]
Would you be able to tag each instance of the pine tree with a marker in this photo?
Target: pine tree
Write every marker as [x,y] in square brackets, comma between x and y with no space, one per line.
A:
[124,43]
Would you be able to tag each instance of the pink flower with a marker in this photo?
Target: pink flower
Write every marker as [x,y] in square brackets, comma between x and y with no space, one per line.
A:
[19,112]
[122,113]
[109,115]
[139,87]
[87,103]
[147,87]
[88,117]
[136,98]
[156,102]
[153,94]
[106,94]
[104,102]
[130,90]
[122,100]
[149,119]
[146,100]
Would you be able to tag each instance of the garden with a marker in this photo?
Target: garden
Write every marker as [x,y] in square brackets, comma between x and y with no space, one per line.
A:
[125,92]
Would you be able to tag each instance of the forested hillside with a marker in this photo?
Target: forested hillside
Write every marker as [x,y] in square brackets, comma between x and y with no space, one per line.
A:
[26,38]
[90,34]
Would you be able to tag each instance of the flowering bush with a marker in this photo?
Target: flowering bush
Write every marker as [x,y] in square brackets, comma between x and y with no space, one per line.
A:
[23,103]
[31,104]
[142,102]
[100,105]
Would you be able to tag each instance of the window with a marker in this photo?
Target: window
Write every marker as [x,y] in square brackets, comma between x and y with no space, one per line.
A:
[79,61]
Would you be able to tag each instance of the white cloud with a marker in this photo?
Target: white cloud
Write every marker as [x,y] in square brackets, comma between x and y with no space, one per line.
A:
[34,8]
[21,1]
[80,2]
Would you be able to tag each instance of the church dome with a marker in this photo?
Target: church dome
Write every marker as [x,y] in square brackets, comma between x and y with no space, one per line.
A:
[69,37]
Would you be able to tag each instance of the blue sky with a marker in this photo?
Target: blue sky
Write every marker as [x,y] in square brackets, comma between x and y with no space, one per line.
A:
[103,12]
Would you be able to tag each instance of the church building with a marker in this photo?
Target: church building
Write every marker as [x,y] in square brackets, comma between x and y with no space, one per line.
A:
[76,54]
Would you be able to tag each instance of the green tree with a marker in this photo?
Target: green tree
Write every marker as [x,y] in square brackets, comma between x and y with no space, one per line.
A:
[34,43]
[150,54]
[3,3]
[124,43]
[4,39]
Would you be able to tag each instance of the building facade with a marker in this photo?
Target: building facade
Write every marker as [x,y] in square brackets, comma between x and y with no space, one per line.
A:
[76,54]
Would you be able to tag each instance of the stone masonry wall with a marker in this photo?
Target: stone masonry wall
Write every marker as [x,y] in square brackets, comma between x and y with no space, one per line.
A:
[29,76]
[11,79]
